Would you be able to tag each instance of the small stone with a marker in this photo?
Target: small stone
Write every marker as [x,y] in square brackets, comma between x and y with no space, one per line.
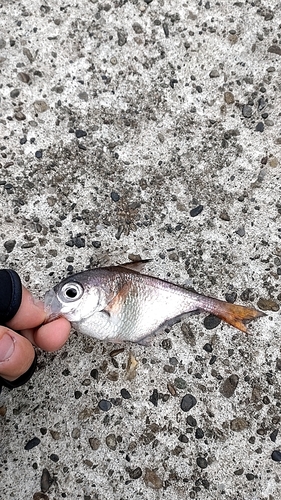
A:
[231,297]
[80,133]
[79,242]
[54,457]
[39,495]
[190,420]
[122,38]
[229,385]
[111,441]
[268,305]
[14,93]
[152,480]
[9,245]
[273,435]
[75,434]
[20,116]
[96,244]
[154,397]
[199,433]
[214,73]
[238,424]
[3,411]
[274,49]
[224,216]
[137,28]
[196,211]
[94,443]
[83,96]
[134,473]
[23,77]
[211,322]
[39,153]
[40,106]
[228,97]
[259,127]
[125,394]
[241,231]
[180,383]
[247,111]
[276,456]
[239,472]
[208,348]
[202,462]
[32,443]
[46,480]
[104,405]
[187,402]
[250,476]
[114,196]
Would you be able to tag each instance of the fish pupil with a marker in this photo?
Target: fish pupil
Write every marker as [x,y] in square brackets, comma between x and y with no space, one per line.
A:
[71,293]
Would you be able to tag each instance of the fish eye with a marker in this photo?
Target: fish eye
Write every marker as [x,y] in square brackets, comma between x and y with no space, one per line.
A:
[72,291]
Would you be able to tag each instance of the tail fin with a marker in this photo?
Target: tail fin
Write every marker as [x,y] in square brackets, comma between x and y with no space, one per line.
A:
[233,314]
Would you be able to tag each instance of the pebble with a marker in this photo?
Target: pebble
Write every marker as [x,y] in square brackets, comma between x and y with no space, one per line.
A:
[231,297]
[40,106]
[96,244]
[274,49]
[111,441]
[134,473]
[154,397]
[247,111]
[202,462]
[23,77]
[114,196]
[259,127]
[199,433]
[240,231]
[208,348]
[80,133]
[276,456]
[211,322]
[39,153]
[54,457]
[268,305]
[39,495]
[94,443]
[122,38]
[228,97]
[125,394]
[238,424]
[9,245]
[32,443]
[191,421]
[75,434]
[228,387]
[273,435]
[187,402]
[196,211]
[95,374]
[46,480]
[180,383]
[214,73]
[104,405]
[152,480]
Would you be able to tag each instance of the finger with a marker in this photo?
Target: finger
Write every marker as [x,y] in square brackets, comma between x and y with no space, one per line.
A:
[51,336]
[16,354]
[30,313]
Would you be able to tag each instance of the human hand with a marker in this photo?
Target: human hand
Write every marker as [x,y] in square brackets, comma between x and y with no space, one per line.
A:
[23,331]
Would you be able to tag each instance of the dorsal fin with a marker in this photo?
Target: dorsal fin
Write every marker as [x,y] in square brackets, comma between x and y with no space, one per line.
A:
[136,266]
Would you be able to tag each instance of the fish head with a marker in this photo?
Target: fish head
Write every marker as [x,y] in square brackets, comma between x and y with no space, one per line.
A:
[75,298]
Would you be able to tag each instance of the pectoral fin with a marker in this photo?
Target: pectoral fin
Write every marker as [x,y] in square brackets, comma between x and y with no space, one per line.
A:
[114,307]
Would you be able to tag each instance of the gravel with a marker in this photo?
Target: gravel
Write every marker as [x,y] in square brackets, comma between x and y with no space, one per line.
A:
[150,129]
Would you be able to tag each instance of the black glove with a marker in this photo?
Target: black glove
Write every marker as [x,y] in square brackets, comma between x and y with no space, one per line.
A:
[10,301]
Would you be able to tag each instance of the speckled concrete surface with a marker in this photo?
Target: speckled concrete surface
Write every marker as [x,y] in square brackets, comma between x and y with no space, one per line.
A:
[117,119]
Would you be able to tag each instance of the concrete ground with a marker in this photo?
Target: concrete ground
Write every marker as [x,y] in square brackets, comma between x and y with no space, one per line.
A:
[145,128]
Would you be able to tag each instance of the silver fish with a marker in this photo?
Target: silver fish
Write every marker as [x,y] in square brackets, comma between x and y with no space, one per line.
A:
[119,303]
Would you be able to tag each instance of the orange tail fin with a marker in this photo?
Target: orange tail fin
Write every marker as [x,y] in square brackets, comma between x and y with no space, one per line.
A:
[233,314]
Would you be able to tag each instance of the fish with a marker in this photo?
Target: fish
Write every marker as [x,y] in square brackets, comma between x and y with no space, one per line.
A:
[121,303]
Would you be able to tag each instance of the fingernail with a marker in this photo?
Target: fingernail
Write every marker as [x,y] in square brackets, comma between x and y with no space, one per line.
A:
[7,346]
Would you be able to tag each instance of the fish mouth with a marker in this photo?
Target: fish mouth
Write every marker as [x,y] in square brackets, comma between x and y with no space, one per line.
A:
[52,307]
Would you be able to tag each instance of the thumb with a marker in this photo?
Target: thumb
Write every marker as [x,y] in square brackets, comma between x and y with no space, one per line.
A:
[16,354]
